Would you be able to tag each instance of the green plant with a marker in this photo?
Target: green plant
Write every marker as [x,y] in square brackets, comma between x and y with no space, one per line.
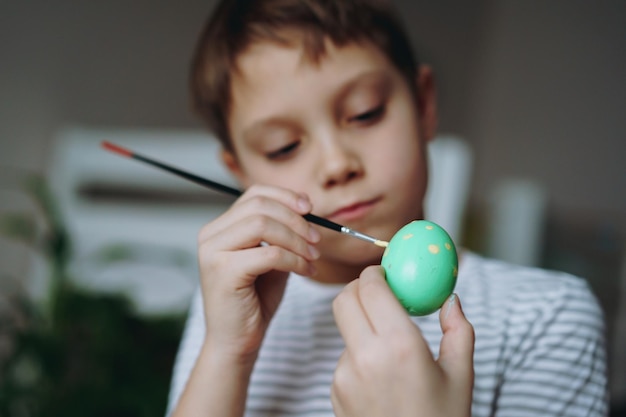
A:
[79,353]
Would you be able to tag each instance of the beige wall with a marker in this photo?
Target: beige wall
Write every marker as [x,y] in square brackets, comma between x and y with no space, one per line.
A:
[111,63]
[550,100]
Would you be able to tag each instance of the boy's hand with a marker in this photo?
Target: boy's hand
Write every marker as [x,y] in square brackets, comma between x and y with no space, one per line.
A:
[387,368]
[245,256]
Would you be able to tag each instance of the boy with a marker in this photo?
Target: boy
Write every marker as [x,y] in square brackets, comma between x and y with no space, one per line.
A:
[321,107]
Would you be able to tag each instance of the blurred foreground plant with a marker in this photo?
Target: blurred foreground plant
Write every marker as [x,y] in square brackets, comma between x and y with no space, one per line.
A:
[79,353]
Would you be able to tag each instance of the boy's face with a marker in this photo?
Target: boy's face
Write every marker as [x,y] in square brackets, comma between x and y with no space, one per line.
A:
[346,131]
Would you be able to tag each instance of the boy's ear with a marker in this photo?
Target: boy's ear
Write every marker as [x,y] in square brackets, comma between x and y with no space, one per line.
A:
[427,101]
[232,164]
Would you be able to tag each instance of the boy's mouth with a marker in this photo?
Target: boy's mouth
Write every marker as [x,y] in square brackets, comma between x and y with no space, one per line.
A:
[353,211]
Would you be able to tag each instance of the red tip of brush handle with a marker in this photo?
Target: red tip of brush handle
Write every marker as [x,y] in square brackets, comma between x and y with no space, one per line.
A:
[116,149]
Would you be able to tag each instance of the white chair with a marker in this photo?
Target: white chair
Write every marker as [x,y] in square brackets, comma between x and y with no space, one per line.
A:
[106,201]
[450,172]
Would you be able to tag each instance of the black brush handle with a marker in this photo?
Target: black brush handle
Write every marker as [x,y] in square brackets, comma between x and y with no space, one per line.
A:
[320,221]
[191,177]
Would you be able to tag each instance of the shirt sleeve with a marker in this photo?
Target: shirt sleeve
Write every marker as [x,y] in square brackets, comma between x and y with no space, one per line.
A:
[557,357]
[188,351]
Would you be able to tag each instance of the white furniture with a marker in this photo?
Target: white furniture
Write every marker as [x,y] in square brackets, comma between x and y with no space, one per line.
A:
[450,171]
[112,204]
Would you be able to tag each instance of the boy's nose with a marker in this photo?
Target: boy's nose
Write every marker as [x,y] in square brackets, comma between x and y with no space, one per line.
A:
[339,165]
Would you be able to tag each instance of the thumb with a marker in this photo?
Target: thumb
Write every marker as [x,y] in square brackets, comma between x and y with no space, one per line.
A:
[456,352]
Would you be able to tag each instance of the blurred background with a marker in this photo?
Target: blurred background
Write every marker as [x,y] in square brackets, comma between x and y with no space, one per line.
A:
[531,93]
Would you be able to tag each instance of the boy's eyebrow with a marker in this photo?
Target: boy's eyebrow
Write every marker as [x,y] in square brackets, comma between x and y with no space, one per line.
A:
[265,124]
[378,78]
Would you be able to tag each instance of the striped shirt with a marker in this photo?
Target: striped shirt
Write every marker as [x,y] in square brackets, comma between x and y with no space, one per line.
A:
[539,345]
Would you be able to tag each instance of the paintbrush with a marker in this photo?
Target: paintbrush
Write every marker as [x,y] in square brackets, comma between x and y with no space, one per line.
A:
[320,221]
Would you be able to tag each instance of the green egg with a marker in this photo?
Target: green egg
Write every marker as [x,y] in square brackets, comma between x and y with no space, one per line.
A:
[421,266]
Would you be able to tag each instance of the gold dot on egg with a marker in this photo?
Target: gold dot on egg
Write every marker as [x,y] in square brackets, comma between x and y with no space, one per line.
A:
[407,236]
[429,228]
[434,249]
[455,271]
[386,251]
[447,245]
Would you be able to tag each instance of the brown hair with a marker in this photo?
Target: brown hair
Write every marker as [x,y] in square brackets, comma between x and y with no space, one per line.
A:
[236,24]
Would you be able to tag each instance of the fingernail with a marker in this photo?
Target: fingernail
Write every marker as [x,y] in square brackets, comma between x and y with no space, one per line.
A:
[314,235]
[313,252]
[304,204]
[449,304]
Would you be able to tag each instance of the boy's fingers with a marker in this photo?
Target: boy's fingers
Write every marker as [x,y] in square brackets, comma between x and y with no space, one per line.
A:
[262,207]
[250,232]
[253,262]
[456,352]
[351,318]
[283,205]
[298,202]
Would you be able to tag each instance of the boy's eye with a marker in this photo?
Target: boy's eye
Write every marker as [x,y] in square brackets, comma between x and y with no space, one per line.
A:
[368,116]
[283,152]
